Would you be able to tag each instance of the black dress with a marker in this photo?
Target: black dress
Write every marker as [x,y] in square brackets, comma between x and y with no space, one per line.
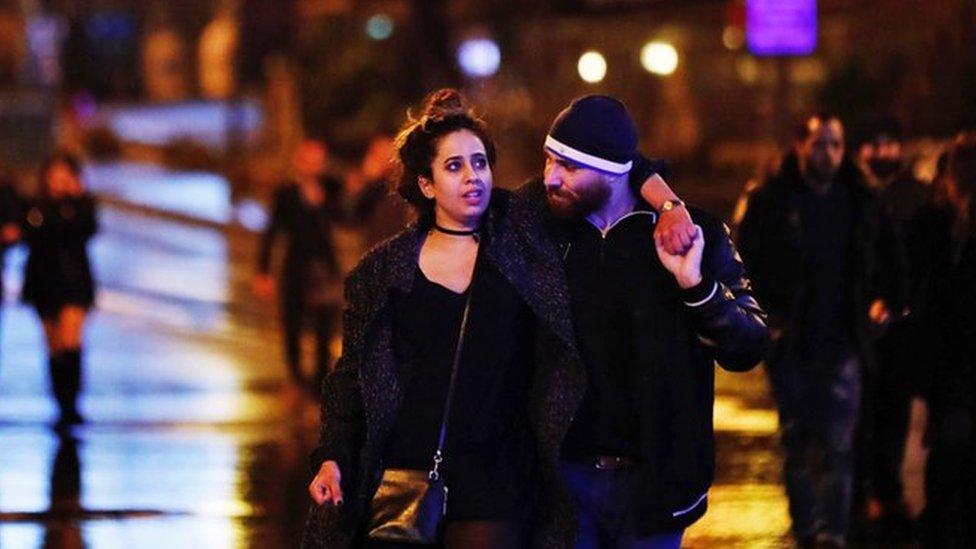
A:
[488,452]
[58,271]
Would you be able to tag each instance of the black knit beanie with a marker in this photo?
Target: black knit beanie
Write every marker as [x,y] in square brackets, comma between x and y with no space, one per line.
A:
[597,132]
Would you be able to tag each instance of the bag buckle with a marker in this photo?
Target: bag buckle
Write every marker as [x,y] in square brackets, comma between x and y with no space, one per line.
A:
[434,474]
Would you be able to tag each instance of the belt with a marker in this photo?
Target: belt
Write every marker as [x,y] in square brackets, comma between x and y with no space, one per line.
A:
[614,463]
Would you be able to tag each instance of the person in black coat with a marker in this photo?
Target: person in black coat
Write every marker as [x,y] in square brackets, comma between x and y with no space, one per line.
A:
[902,196]
[58,278]
[945,260]
[658,296]
[304,211]
[826,267]
[382,405]
[373,210]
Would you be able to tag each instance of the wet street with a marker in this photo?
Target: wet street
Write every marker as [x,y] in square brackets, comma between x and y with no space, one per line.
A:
[191,440]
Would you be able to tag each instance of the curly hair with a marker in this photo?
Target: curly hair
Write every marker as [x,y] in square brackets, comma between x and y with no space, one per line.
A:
[444,111]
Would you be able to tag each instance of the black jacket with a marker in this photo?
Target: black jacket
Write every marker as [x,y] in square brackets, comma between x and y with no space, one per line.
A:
[679,351]
[770,239]
[308,232]
[361,396]
[58,270]
[945,303]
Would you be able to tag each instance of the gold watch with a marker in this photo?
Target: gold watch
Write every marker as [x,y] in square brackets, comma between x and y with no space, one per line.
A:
[669,205]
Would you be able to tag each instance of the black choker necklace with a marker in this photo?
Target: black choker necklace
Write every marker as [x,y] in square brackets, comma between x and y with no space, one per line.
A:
[453,232]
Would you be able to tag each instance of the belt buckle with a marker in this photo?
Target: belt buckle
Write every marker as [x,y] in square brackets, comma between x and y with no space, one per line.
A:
[609,463]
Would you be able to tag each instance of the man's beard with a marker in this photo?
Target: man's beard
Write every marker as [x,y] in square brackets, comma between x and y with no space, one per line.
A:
[567,204]
[823,174]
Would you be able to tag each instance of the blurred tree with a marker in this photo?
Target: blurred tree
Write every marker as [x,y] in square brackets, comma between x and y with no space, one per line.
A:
[354,86]
[267,28]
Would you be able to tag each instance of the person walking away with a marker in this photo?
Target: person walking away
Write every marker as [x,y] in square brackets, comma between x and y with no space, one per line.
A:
[304,211]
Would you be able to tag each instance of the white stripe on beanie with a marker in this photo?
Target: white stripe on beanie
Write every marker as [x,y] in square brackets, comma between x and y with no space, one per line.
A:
[586,159]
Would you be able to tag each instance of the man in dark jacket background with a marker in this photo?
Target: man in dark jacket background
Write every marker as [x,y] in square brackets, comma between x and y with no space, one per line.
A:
[902,361]
[632,434]
[816,242]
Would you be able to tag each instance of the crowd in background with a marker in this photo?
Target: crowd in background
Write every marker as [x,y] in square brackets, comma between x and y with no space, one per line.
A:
[867,274]
[327,222]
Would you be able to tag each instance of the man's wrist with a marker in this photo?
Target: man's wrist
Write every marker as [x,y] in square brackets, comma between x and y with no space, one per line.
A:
[701,293]
[670,205]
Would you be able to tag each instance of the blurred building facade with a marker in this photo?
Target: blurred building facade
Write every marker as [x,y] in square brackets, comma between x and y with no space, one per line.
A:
[356,65]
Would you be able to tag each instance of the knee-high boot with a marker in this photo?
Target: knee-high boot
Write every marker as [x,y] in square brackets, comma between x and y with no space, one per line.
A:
[65,370]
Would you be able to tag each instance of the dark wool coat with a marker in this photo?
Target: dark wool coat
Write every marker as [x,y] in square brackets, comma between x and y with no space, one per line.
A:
[361,397]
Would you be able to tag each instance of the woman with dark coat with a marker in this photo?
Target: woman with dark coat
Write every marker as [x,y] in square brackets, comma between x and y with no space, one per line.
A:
[58,280]
[381,407]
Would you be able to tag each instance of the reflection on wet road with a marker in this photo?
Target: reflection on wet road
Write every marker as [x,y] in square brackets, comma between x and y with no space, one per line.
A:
[190,442]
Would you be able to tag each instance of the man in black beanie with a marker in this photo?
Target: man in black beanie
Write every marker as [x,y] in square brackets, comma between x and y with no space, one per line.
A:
[631,433]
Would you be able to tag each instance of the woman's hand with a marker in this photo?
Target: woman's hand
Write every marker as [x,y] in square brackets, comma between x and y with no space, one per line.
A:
[326,486]
[675,230]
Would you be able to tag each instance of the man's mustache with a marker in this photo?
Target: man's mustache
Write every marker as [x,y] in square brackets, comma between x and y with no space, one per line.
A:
[560,193]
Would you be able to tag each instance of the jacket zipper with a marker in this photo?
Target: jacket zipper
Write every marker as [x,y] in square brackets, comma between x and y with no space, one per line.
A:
[606,232]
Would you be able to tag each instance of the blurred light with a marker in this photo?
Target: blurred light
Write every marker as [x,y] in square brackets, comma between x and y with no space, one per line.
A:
[807,71]
[733,37]
[592,67]
[379,26]
[659,58]
[747,69]
[781,27]
[44,34]
[479,57]
[252,216]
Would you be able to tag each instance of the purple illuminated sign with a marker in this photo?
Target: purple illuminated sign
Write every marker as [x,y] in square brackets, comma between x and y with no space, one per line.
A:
[781,27]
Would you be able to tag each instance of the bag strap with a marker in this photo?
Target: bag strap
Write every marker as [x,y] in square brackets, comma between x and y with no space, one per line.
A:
[434,474]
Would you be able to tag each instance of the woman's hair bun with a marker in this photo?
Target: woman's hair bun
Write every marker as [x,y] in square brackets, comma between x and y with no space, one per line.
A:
[445,103]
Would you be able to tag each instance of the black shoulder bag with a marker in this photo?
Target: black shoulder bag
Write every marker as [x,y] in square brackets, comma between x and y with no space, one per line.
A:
[409,505]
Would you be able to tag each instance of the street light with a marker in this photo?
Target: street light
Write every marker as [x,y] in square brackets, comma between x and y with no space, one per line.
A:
[592,67]
[659,58]
[479,57]
[379,27]
[733,37]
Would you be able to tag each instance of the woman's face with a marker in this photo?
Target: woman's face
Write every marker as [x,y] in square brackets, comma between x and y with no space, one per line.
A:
[61,181]
[461,180]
